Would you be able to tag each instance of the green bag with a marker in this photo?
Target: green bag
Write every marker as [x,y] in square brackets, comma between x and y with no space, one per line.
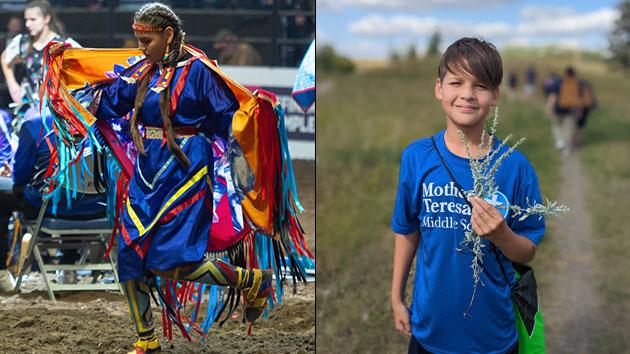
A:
[529,321]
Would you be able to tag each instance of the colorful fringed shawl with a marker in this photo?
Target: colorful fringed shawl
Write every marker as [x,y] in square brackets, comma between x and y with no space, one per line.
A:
[257,160]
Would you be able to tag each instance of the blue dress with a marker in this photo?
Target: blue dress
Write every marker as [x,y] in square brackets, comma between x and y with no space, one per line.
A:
[168,215]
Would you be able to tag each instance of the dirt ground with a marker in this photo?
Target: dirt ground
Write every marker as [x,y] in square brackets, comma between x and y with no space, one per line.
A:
[98,322]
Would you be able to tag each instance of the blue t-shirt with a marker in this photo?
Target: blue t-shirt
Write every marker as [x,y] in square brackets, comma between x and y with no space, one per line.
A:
[429,202]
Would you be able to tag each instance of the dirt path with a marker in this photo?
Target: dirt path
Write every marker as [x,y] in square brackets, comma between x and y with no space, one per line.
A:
[571,302]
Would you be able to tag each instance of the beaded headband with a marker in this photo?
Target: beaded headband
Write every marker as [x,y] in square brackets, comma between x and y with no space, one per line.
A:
[146,28]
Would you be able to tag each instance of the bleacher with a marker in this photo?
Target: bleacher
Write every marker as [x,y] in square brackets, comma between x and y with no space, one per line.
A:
[279,30]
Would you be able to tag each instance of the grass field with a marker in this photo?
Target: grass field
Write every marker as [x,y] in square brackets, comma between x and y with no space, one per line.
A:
[364,122]
[606,154]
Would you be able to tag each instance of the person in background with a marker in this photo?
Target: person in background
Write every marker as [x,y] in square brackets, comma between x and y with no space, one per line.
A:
[531,77]
[547,85]
[235,52]
[21,65]
[22,184]
[14,27]
[570,101]
[22,59]
[23,191]
[298,27]
[512,89]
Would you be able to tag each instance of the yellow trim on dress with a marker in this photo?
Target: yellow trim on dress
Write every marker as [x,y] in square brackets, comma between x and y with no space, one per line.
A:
[134,217]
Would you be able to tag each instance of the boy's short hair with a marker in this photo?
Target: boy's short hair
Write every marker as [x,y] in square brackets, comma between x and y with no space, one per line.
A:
[474,57]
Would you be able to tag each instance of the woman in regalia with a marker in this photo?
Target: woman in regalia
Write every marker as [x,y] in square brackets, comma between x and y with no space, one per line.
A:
[166,222]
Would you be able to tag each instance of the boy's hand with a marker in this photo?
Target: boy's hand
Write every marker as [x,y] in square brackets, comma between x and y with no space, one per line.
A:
[401,318]
[487,221]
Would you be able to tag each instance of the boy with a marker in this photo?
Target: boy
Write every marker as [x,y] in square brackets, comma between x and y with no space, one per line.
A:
[431,216]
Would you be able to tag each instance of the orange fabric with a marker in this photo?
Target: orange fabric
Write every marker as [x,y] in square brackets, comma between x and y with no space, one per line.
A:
[81,65]
[245,130]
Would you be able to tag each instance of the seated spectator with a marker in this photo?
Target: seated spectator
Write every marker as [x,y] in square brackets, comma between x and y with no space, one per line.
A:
[24,190]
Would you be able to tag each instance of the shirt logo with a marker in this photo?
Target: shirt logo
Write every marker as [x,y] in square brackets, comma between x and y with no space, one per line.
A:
[499,201]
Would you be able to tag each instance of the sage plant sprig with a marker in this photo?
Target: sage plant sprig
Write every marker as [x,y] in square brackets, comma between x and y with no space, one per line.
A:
[549,208]
[483,171]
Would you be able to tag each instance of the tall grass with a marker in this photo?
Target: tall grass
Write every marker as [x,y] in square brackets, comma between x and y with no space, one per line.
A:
[606,154]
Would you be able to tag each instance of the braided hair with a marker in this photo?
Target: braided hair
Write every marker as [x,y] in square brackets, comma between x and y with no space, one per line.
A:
[157,14]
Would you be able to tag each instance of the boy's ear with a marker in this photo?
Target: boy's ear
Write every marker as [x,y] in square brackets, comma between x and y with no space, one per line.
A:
[438,89]
[495,99]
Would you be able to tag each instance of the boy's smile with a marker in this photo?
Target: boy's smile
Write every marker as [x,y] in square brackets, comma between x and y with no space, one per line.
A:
[466,108]
[465,100]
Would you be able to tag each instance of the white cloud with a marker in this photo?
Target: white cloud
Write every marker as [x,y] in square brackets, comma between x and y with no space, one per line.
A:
[536,22]
[545,11]
[540,42]
[377,25]
[599,21]
[406,4]
[535,26]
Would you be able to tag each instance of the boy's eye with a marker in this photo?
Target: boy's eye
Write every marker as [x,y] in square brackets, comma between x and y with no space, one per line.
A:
[483,87]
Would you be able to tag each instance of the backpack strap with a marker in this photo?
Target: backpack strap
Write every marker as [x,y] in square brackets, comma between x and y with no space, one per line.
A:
[459,186]
[448,170]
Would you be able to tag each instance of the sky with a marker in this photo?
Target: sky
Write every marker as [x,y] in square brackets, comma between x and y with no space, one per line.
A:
[372,29]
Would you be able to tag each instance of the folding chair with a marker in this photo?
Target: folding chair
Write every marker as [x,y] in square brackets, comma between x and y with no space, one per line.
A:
[69,234]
